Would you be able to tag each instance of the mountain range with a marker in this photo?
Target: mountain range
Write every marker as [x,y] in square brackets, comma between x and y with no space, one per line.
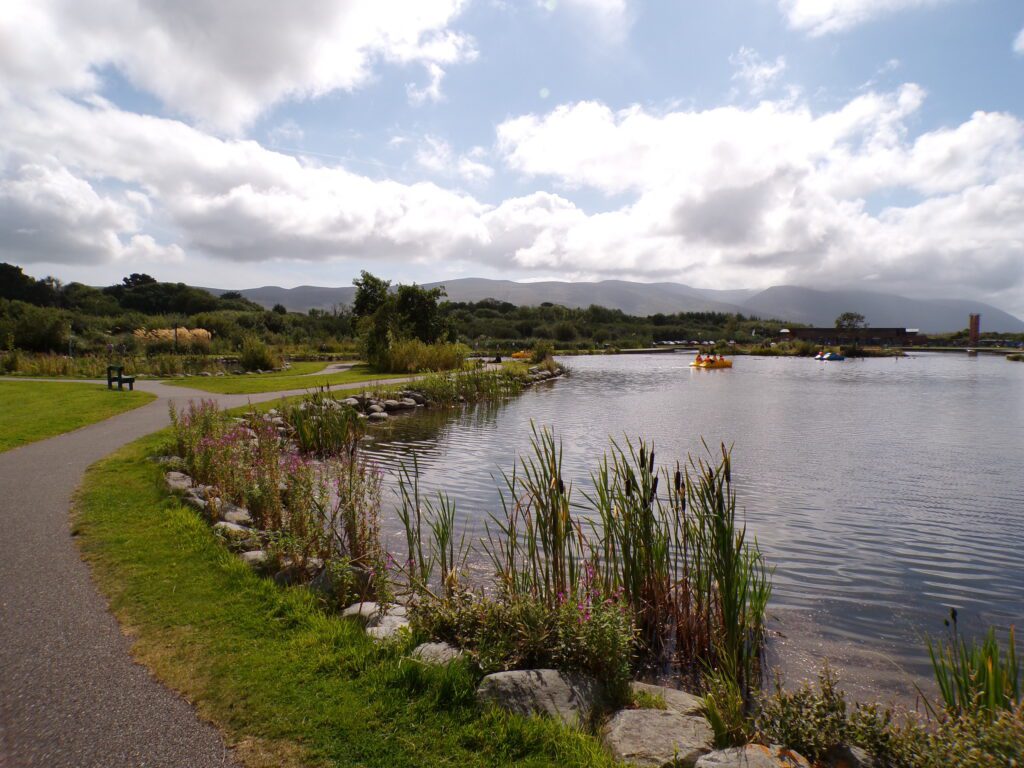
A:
[783,302]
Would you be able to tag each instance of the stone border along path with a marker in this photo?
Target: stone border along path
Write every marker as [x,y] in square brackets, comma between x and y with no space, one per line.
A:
[70,693]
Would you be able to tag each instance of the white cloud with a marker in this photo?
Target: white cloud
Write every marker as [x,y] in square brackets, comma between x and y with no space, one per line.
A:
[228,199]
[224,63]
[48,214]
[730,196]
[738,195]
[821,17]
[473,170]
[609,17]
[436,156]
[429,92]
[776,193]
[284,134]
[1018,44]
[756,73]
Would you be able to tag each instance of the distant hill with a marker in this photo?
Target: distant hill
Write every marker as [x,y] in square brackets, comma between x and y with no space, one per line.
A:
[783,302]
[806,305]
[633,298]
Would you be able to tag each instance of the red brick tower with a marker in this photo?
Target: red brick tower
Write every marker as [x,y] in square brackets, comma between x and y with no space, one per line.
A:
[975,330]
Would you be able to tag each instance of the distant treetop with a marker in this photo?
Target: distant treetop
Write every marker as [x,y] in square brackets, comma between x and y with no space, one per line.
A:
[850,320]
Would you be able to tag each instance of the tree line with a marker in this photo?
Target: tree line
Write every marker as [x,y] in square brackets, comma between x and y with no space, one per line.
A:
[45,315]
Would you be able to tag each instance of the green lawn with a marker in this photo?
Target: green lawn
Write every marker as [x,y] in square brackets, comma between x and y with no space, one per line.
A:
[35,410]
[281,381]
[286,683]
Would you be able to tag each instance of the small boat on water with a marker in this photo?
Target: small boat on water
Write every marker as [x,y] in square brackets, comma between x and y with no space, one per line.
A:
[829,357]
[710,364]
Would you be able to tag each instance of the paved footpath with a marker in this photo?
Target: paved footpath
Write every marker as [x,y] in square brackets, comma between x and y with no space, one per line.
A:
[70,693]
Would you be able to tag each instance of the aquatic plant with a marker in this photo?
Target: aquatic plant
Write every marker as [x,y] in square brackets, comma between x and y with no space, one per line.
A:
[976,677]
[448,389]
[726,710]
[730,583]
[441,550]
[321,426]
[537,547]
[696,588]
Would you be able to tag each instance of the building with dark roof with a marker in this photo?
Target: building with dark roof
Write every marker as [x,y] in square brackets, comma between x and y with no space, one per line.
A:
[882,337]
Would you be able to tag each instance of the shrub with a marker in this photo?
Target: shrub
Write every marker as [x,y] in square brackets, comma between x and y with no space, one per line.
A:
[810,720]
[11,360]
[814,720]
[328,510]
[581,633]
[542,350]
[256,356]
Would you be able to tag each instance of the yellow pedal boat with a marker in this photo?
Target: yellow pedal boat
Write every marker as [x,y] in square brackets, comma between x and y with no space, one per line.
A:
[709,364]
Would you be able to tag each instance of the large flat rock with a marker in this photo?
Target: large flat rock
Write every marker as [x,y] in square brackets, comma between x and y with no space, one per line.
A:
[570,698]
[753,756]
[657,738]
[436,653]
[177,482]
[386,627]
[364,612]
[847,756]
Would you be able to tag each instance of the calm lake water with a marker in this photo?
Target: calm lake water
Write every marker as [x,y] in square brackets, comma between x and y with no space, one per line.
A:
[883,491]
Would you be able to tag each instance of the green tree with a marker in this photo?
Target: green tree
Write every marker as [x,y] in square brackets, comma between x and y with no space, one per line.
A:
[850,320]
[136,279]
[564,331]
[16,285]
[419,313]
[280,309]
[371,294]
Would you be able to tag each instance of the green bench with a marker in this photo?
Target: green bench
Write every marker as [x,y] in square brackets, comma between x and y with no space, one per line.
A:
[115,374]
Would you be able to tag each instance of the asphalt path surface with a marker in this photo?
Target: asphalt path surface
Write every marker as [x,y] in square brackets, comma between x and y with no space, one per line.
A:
[70,692]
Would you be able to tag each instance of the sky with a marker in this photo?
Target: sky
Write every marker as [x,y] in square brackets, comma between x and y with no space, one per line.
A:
[873,144]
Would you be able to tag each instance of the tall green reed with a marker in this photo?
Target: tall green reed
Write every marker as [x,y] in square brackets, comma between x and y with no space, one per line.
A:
[976,677]
[734,584]
[443,548]
[321,426]
[538,548]
[697,587]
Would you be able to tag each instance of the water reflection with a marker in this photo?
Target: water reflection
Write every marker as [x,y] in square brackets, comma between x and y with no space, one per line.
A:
[883,491]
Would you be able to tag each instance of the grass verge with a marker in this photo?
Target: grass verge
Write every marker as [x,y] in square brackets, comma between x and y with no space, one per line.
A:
[281,381]
[35,410]
[286,683]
